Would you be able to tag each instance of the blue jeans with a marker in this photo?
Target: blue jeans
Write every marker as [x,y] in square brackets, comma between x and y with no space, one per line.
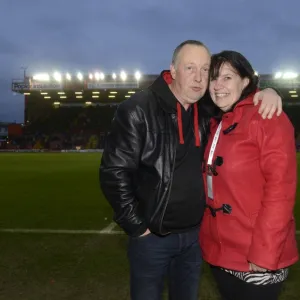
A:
[175,256]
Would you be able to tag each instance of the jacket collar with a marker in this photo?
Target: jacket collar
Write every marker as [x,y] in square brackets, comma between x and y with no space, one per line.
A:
[161,88]
[234,115]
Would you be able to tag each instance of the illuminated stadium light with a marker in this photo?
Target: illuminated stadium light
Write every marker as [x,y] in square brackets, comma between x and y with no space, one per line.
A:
[68,76]
[286,75]
[94,96]
[96,92]
[294,96]
[44,93]
[56,103]
[41,77]
[127,96]
[111,96]
[123,75]
[114,76]
[97,76]
[88,103]
[290,75]
[278,75]
[113,92]
[78,97]
[63,97]
[131,92]
[57,76]
[293,92]
[255,73]
[137,75]
[102,76]
[60,93]
[91,76]
[78,93]
[26,94]
[47,97]
[79,76]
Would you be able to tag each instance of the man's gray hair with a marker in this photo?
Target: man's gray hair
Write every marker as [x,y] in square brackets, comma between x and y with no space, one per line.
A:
[187,42]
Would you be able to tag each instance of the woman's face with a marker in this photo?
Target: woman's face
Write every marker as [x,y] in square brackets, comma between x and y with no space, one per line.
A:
[227,88]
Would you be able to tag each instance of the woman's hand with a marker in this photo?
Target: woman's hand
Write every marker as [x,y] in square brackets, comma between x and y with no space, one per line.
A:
[254,268]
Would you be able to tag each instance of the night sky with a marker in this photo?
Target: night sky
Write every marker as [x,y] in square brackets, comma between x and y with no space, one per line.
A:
[73,35]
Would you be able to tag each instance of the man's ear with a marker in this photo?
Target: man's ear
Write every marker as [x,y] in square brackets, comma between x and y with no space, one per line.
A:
[173,71]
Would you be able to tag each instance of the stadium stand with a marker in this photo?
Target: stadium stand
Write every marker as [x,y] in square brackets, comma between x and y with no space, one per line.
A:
[65,112]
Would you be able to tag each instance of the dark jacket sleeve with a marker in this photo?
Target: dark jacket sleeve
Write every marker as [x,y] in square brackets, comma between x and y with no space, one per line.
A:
[119,164]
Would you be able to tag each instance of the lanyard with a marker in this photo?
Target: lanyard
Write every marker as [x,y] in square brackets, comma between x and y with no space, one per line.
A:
[214,144]
[209,161]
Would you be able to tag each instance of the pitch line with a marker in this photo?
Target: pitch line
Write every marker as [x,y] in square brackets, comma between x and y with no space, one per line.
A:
[106,230]
[109,228]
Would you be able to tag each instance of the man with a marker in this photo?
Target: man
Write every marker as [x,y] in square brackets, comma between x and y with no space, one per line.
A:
[151,175]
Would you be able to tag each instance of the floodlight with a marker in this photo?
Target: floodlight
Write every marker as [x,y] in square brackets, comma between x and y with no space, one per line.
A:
[137,75]
[102,76]
[114,76]
[68,76]
[97,76]
[123,75]
[79,76]
[278,75]
[57,76]
[41,77]
[290,75]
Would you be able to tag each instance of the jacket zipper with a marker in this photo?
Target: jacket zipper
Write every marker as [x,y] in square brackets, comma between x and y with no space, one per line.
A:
[170,185]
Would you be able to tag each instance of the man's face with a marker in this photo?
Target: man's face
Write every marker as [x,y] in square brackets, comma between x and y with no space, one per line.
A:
[190,73]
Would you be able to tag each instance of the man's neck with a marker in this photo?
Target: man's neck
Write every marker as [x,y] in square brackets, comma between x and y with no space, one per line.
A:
[173,89]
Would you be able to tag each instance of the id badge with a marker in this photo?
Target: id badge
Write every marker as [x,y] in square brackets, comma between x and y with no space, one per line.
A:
[209,187]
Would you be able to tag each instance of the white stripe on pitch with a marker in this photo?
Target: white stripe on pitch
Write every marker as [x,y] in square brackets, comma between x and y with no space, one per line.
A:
[109,228]
[106,230]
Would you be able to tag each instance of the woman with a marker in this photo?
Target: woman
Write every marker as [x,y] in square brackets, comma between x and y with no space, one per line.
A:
[248,230]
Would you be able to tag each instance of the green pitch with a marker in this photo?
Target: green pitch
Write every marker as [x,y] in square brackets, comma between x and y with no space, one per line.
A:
[61,192]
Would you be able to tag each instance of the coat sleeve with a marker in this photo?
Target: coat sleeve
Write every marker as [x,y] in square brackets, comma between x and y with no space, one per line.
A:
[279,166]
[119,164]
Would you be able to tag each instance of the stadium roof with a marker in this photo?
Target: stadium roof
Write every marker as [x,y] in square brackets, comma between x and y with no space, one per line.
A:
[108,89]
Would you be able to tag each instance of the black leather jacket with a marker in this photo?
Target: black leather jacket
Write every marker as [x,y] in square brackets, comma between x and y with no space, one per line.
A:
[138,161]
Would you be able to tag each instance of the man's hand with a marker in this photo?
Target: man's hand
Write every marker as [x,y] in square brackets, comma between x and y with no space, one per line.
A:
[270,102]
[146,233]
[254,268]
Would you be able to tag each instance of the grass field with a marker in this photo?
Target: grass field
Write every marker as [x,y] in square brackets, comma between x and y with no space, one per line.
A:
[61,192]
